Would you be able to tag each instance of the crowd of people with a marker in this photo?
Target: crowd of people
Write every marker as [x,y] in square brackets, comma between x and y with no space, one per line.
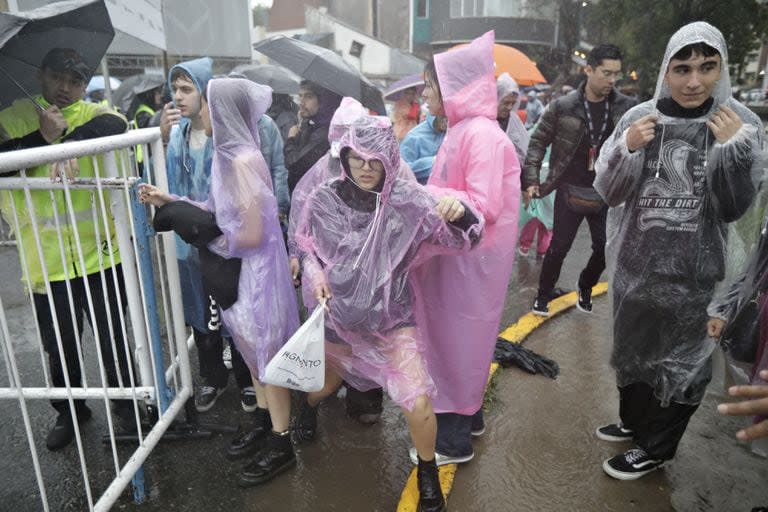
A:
[407,232]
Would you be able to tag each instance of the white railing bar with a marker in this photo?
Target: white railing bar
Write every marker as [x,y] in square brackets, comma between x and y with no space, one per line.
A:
[26,158]
[43,393]
[16,183]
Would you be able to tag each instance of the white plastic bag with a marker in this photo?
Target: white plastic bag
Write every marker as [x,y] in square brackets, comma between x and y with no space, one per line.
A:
[300,364]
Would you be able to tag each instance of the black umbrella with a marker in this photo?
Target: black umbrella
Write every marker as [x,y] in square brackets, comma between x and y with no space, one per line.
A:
[133,86]
[26,37]
[324,67]
[278,78]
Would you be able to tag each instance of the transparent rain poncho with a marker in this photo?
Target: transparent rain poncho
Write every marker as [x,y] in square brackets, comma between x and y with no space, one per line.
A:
[462,296]
[668,230]
[265,314]
[328,167]
[363,245]
[506,85]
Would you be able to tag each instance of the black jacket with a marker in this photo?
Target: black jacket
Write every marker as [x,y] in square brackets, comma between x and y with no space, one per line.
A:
[563,126]
[303,150]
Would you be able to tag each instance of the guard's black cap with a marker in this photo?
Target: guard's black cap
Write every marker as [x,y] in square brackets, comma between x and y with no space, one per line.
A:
[66,59]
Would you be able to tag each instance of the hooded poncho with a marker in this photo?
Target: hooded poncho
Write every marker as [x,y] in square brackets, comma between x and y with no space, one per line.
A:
[265,314]
[363,245]
[506,85]
[462,296]
[668,233]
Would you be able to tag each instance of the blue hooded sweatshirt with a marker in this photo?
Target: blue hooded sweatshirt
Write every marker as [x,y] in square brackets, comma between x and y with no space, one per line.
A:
[420,146]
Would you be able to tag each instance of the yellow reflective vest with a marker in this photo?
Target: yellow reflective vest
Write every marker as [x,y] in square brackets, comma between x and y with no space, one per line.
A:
[59,253]
[142,108]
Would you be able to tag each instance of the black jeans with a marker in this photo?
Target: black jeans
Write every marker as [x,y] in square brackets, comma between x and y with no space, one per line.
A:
[67,330]
[565,226]
[657,429]
[210,348]
[454,433]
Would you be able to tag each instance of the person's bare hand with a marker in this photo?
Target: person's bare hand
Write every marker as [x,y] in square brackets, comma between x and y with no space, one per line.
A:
[150,194]
[323,293]
[170,117]
[295,269]
[294,130]
[641,132]
[68,169]
[530,193]
[450,209]
[724,124]
[52,123]
[757,406]
[715,327]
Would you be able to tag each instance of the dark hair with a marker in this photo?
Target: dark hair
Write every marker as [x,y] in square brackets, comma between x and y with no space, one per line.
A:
[601,52]
[431,71]
[184,75]
[703,49]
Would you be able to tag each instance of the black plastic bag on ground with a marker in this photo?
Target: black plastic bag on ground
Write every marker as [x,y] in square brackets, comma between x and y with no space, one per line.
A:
[512,354]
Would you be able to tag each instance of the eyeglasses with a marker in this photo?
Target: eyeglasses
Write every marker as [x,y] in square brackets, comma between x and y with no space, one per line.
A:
[355,162]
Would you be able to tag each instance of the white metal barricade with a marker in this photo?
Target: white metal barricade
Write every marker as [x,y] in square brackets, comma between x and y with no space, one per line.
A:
[136,352]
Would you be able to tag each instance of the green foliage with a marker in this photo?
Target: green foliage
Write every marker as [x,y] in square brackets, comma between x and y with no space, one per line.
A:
[642,28]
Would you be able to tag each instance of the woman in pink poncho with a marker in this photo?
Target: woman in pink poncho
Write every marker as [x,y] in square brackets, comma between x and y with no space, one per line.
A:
[462,296]
[265,314]
[359,238]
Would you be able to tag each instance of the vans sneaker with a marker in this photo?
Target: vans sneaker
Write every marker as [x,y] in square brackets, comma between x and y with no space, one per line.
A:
[614,432]
[631,465]
[540,307]
[248,399]
[207,398]
[585,299]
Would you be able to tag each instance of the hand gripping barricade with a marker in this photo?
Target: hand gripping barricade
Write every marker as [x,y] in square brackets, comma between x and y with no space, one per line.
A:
[84,251]
[300,364]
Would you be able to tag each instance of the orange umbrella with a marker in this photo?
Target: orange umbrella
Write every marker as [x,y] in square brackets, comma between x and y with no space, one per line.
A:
[516,63]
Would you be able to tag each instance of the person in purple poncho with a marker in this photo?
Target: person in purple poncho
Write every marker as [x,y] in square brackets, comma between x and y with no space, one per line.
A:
[359,237]
[265,314]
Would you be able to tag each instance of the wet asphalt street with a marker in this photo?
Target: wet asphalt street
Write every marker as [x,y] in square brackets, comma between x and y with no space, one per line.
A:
[538,453]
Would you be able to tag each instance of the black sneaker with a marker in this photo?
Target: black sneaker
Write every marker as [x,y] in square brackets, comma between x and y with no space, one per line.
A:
[585,299]
[63,432]
[614,432]
[207,398]
[540,307]
[275,456]
[478,425]
[631,465]
[248,399]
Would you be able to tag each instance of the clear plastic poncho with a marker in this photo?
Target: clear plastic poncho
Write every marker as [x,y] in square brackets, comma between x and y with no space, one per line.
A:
[462,296]
[363,245]
[328,167]
[265,314]
[668,232]
[506,85]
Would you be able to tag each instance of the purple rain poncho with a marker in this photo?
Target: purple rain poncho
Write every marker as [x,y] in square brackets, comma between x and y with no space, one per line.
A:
[328,167]
[673,231]
[265,314]
[462,296]
[363,245]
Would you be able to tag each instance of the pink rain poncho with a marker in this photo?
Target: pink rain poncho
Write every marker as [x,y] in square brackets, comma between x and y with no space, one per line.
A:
[362,244]
[461,297]
[265,314]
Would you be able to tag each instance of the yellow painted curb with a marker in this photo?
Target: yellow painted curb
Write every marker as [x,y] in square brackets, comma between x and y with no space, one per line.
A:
[515,333]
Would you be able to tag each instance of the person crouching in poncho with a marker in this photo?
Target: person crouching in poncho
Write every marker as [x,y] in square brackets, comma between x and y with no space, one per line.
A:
[360,236]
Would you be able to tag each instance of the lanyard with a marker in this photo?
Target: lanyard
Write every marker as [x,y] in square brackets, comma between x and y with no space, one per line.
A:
[596,141]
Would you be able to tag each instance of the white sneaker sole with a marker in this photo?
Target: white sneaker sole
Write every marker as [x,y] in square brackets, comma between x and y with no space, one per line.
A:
[621,475]
[478,433]
[441,459]
[539,313]
[204,408]
[249,408]
[578,306]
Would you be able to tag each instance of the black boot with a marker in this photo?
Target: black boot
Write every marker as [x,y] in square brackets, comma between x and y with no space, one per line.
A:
[275,456]
[305,423]
[430,494]
[63,432]
[247,443]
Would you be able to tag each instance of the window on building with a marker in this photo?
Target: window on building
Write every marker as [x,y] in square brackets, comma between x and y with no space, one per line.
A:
[422,8]
[483,8]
